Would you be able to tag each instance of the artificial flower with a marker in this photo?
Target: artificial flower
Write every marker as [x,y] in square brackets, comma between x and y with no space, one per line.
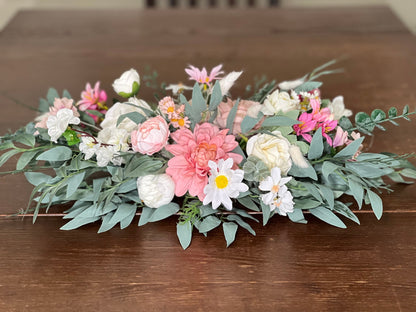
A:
[192,152]
[224,183]
[280,101]
[156,190]
[201,76]
[88,146]
[228,81]
[278,195]
[128,84]
[297,157]
[114,136]
[273,150]
[151,136]
[57,124]
[105,154]
[93,99]
[118,109]
[58,104]
[341,137]
[338,109]
[291,84]
[167,106]
[245,108]
[178,88]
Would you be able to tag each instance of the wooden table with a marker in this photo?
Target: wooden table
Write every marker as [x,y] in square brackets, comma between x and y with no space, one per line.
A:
[287,266]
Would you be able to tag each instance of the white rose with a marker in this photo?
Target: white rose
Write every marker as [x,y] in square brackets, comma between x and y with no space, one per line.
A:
[118,109]
[273,150]
[279,102]
[156,190]
[128,84]
[116,137]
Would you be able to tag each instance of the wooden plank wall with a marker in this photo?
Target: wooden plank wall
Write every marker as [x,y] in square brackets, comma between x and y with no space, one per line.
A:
[163,4]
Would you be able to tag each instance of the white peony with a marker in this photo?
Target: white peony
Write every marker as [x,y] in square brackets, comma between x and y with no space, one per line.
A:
[156,190]
[280,101]
[57,124]
[337,108]
[128,84]
[273,150]
[118,109]
[113,136]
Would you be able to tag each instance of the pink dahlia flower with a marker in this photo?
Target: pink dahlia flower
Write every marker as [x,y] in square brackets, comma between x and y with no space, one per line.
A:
[192,152]
[202,76]
[307,124]
[93,99]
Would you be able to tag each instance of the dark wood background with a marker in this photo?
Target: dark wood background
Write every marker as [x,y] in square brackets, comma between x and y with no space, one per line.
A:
[287,266]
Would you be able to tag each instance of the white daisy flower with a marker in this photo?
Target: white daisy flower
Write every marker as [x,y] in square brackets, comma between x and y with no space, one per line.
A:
[58,123]
[278,195]
[338,109]
[178,88]
[88,146]
[223,184]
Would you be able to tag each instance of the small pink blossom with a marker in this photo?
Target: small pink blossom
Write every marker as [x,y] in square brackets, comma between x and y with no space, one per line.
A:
[306,126]
[245,108]
[93,99]
[151,136]
[202,76]
[167,106]
[326,127]
[192,152]
[341,137]
[58,104]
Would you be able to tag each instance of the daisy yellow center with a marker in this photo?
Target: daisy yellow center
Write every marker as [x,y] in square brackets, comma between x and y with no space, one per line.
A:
[181,122]
[221,181]
[170,109]
[275,188]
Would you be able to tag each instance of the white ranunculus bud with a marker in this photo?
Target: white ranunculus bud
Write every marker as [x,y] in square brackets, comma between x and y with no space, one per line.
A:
[279,101]
[273,150]
[128,84]
[156,190]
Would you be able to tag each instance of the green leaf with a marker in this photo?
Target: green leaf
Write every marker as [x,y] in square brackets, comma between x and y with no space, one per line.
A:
[106,223]
[164,212]
[52,95]
[24,159]
[209,223]
[376,203]
[345,123]
[317,146]
[328,194]
[327,216]
[343,209]
[206,211]
[279,121]
[306,203]
[247,202]
[364,121]
[297,216]
[78,222]
[408,172]
[368,170]
[231,116]
[396,177]
[216,96]
[406,110]
[128,219]
[73,183]
[378,115]
[123,211]
[328,168]
[308,86]
[127,186]
[146,214]
[357,191]
[248,123]
[350,149]
[184,233]
[266,212]
[308,172]
[66,94]
[7,155]
[241,223]
[43,106]
[136,117]
[36,178]
[59,153]
[26,139]
[313,190]
[230,230]
[97,185]
[71,137]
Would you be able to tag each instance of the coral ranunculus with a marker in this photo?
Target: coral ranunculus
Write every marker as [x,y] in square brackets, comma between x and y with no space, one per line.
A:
[192,151]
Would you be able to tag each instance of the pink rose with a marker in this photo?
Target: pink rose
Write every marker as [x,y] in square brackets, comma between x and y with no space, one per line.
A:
[245,108]
[151,136]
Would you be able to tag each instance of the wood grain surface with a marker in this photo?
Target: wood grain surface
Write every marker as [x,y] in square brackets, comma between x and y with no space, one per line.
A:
[287,266]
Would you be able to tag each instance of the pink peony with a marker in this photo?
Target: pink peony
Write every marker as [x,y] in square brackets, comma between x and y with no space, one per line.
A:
[93,99]
[151,136]
[245,108]
[58,104]
[192,152]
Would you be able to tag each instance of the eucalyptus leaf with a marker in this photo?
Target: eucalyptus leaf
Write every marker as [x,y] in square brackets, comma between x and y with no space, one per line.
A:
[308,86]
[184,233]
[128,219]
[327,194]
[327,216]
[26,139]
[146,215]
[279,121]
[216,96]
[317,146]
[209,223]
[7,155]
[52,95]
[357,191]
[73,183]
[78,222]
[266,212]
[241,223]
[25,159]
[36,178]
[231,116]
[106,223]
[350,149]
[136,117]
[123,211]
[343,209]
[59,153]
[164,212]
[376,203]
[297,216]
[408,172]
[328,168]
[230,230]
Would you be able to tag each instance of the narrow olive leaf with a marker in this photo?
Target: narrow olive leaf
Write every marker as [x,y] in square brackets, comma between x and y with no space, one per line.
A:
[343,209]
[97,185]
[328,168]
[376,204]
[306,203]
[66,94]
[146,214]
[230,230]
[52,95]
[247,202]
[313,190]
[123,211]
[25,159]
[308,172]
[136,117]
[241,223]
[216,96]
[184,233]
[128,219]
[279,121]
[327,216]
[209,223]
[350,149]
[231,116]
[43,106]
[327,194]
[106,223]
[266,212]
[308,86]
[317,146]
[396,177]
[407,172]
[78,222]
[73,183]
[164,212]
[245,214]
[297,216]
[59,153]
[127,186]
[248,123]
[7,155]
[368,170]
[206,211]
[26,139]
[36,178]
[357,191]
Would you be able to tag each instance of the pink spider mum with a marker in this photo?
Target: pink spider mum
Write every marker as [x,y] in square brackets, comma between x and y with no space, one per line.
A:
[93,99]
[202,76]
[192,152]
[307,125]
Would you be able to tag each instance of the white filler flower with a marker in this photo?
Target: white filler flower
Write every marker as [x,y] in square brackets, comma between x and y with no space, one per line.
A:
[223,184]
[278,195]
[58,123]
[156,190]
[338,109]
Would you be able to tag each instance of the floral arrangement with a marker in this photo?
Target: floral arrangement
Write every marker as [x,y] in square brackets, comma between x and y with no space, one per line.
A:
[200,155]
